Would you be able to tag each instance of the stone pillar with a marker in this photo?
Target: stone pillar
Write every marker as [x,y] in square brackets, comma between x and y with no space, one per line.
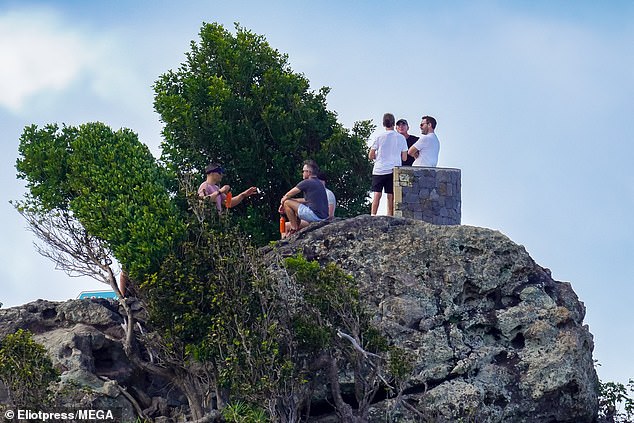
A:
[431,194]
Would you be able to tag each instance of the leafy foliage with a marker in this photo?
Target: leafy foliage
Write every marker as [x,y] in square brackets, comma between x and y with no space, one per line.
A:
[330,303]
[330,300]
[241,412]
[259,333]
[208,301]
[616,402]
[26,370]
[236,101]
[107,181]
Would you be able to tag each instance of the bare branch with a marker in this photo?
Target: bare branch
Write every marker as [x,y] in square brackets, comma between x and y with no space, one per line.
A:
[356,345]
[69,246]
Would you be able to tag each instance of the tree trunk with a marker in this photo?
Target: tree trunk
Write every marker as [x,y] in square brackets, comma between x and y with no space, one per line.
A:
[343,409]
[177,378]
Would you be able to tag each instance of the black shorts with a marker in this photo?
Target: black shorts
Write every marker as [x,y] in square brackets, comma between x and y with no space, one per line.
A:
[383,182]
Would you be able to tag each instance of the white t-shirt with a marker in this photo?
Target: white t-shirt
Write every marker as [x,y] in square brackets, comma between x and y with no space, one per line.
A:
[331,200]
[428,148]
[388,146]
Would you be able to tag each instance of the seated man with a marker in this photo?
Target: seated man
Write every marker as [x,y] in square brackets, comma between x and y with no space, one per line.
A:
[332,204]
[209,189]
[313,207]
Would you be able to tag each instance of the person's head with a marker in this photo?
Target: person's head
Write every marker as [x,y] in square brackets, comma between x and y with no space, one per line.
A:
[402,127]
[388,120]
[309,169]
[427,125]
[214,172]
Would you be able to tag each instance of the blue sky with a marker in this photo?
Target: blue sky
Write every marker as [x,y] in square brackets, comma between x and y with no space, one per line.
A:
[533,100]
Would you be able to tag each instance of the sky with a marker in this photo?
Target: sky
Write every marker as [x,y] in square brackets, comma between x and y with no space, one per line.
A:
[534,102]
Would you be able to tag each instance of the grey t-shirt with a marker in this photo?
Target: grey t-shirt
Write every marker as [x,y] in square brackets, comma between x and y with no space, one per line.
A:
[315,196]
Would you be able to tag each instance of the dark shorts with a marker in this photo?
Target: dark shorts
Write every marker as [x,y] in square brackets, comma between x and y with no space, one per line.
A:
[383,182]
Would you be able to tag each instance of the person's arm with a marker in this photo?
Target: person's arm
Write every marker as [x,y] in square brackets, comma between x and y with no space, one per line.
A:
[403,155]
[238,198]
[225,189]
[413,151]
[290,194]
[372,154]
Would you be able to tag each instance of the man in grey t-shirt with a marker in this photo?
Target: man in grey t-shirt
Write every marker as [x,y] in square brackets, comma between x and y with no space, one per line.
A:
[313,207]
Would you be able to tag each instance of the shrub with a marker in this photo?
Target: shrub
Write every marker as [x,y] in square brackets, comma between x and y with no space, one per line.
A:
[26,370]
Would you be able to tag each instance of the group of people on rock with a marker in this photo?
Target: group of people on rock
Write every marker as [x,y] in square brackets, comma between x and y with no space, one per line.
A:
[392,148]
[318,202]
[395,148]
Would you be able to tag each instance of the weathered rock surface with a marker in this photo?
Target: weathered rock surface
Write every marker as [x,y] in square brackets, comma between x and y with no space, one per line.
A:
[496,339]
[83,338]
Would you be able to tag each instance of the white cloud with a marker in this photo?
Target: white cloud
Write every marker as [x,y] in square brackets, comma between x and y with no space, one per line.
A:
[37,55]
[42,54]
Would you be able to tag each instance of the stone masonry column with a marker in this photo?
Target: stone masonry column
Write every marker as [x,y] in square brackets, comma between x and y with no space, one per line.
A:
[431,194]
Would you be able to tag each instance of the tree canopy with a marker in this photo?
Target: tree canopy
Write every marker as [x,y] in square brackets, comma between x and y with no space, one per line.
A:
[236,100]
[108,183]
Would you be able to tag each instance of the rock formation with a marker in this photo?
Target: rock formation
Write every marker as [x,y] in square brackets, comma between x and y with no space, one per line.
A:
[495,338]
[83,338]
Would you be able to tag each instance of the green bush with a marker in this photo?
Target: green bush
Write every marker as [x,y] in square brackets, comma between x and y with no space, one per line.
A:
[241,412]
[26,370]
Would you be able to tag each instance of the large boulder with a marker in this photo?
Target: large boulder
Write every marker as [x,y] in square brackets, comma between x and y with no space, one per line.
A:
[495,338]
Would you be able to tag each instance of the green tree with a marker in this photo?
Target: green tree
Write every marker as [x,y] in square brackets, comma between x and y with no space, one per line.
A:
[212,300]
[94,194]
[102,184]
[236,101]
[26,370]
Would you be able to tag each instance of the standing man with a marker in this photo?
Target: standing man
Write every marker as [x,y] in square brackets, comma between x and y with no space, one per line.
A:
[313,207]
[426,149]
[402,127]
[210,189]
[388,150]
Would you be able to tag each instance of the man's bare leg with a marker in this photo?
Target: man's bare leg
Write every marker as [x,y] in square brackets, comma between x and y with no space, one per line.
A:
[375,203]
[290,208]
[390,204]
[302,224]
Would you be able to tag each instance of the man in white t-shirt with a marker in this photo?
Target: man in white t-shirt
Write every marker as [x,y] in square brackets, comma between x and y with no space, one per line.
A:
[388,151]
[426,149]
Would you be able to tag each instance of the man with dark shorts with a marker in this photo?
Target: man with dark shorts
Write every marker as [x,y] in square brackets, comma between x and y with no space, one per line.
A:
[313,207]
[388,151]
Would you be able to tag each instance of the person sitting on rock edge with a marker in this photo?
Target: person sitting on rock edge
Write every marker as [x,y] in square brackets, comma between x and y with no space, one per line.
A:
[313,207]
[332,205]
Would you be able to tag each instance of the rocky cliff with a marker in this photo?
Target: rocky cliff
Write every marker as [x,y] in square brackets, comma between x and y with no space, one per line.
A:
[494,337]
